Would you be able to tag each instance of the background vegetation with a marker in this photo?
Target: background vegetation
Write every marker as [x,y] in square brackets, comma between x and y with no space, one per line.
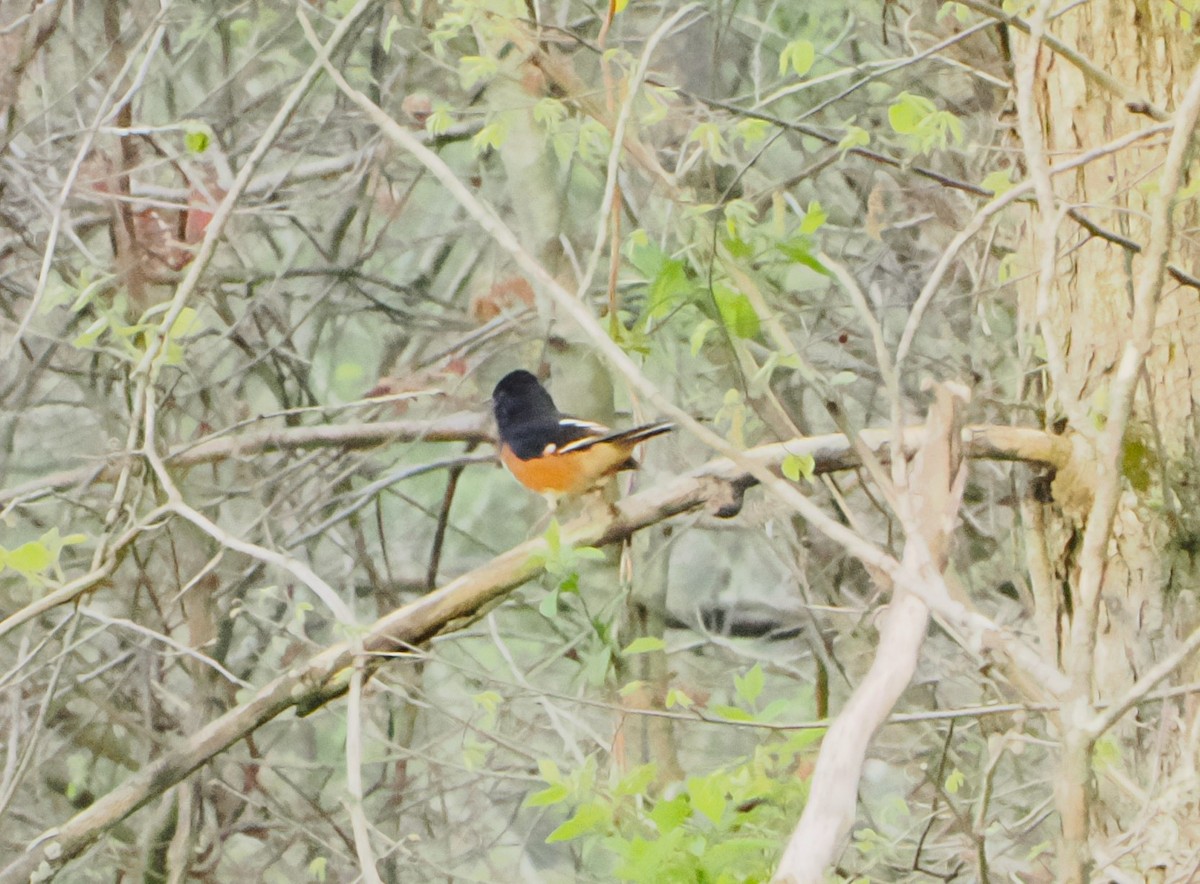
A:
[256,284]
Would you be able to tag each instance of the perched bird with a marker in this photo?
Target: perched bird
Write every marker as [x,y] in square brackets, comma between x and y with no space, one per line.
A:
[554,454]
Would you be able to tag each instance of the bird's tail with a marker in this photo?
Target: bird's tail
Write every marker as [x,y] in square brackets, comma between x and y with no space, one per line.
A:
[638,434]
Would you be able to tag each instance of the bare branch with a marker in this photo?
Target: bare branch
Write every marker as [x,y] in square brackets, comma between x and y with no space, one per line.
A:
[327,675]
[830,810]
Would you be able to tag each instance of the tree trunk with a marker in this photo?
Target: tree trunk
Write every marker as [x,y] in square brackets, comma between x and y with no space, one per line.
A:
[1084,313]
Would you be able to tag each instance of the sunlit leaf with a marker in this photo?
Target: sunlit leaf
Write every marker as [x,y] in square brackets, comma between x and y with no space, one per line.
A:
[669,815]
[555,794]
[700,333]
[733,713]
[196,141]
[814,218]
[750,685]
[30,558]
[676,697]
[491,136]
[908,111]
[318,868]
[999,182]
[644,645]
[588,818]
[637,780]
[473,69]
[736,311]
[708,136]
[798,55]
[708,796]
[798,466]
[440,119]
[855,136]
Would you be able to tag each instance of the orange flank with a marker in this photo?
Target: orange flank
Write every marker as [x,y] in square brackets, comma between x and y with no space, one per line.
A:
[571,472]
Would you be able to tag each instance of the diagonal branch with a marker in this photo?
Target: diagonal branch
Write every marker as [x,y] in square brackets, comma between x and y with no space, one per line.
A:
[937,483]
[327,675]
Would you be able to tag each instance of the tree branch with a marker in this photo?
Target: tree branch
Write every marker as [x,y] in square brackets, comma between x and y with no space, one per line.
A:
[937,483]
[327,675]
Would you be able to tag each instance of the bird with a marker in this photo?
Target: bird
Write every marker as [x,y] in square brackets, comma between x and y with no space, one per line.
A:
[555,454]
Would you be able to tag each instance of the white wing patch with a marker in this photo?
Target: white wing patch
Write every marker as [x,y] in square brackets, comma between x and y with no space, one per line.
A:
[598,429]
[594,431]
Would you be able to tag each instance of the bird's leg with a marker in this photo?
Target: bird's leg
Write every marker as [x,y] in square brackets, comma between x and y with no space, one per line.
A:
[552,500]
[601,501]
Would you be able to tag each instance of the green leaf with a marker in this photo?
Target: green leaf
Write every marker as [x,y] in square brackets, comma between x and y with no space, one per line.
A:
[751,130]
[855,136]
[740,218]
[797,249]
[1038,849]
[348,374]
[440,120]
[490,137]
[955,781]
[708,796]
[318,868]
[91,334]
[588,818]
[669,815]
[549,113]
[750,685]
[186,323]
[549,605]
[733,713]
[669,288]
[700,333]
[553,537]
[801,739]
[196,141]
[644,645]
[474,69]
[798,55]
[475,753]
[555,794]
[842,378]
[961,13]
[798,466]
[637,780]
[774,709]
[814,218]
[908,111]
[708,136]
[595,141]
[1106,753]
[30,558]
[632,687]
[954,124]
[736,311]
[676,697]
[548,770]
[488,700]
[999,182]
[596,666]
[654,108]
[643,254]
